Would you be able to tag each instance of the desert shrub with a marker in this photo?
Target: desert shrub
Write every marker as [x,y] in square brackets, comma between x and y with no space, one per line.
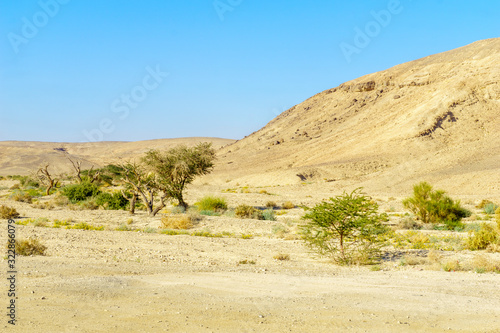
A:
[112,201]
[179,221]
[211,203]
[209,213]
[280,230]
[418,240]
[43,205]
[269,215]
[490,208]
[412,260]
[434,206]
[409,224]
[282,256]
[8,212]
[30,247]
[178,210]
[149,230]
[271,204]
[479,240]
[248,212]
[85,226]
[80,192]
[452,266]
[89,204]
[40,222]
[483,264]
[123,227]
[483,203]
[27,181]
[347,228]
[59,224]
[21,196]
[472,227]
[60,200]
[287,205]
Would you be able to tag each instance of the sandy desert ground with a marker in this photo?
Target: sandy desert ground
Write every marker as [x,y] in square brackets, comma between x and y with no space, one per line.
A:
[130,281]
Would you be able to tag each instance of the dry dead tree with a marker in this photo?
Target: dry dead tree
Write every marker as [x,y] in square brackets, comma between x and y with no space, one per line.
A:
[78,169]
[44,176]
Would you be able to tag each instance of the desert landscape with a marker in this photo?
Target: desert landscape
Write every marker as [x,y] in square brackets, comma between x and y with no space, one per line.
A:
[435,119]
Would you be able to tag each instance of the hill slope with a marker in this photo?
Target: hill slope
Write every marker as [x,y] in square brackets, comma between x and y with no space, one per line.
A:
[435,119]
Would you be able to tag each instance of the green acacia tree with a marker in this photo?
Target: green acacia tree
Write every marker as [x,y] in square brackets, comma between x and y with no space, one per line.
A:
[178,167]
[346,228]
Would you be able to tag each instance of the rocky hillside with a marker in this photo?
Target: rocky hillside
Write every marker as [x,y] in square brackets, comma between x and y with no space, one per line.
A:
[436,118]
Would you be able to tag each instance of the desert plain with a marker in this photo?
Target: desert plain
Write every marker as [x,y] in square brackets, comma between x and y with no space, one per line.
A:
[434,119]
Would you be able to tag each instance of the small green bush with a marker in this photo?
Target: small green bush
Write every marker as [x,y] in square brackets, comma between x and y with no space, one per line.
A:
[490,208]
[27,181]
[209,213]
[80,192]
[211,203]
[111,201]
[269,215]
[434,206]
[8,212]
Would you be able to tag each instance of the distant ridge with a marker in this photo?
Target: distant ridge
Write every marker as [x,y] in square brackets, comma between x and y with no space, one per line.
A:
[22,157]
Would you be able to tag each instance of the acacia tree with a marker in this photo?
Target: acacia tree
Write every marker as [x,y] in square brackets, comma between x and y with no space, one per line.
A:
[178,167]
[46,178]
[346,228]
[143,185]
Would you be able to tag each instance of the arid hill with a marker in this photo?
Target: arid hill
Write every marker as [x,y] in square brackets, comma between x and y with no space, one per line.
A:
[434,119]
[19,157]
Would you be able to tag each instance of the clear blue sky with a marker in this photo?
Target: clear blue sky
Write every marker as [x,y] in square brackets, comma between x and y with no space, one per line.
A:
[84,70]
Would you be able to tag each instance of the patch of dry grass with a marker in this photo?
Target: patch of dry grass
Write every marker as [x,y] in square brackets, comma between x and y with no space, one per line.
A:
[30,247]
[8,212]
[176,221]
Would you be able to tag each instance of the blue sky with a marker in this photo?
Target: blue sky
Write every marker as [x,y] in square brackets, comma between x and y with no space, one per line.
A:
[76,71]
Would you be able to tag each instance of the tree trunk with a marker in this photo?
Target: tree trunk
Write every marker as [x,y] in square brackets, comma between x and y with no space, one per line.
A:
[160,206]
[132,203]
[131,200]
[182,203]
[342,253]
[47,192]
